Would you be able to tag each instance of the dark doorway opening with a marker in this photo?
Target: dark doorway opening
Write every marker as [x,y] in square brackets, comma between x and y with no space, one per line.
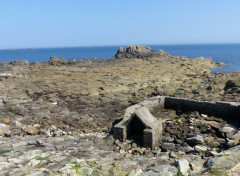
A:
[135,130]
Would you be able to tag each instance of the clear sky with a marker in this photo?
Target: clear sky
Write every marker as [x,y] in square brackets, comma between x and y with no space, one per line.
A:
[60,23]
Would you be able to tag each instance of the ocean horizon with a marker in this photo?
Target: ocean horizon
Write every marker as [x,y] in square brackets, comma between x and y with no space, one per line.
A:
[227,53]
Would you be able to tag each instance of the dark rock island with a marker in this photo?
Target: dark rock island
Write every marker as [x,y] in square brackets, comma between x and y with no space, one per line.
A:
[137,51]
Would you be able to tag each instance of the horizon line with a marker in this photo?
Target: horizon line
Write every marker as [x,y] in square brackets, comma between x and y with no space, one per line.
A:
[116,45]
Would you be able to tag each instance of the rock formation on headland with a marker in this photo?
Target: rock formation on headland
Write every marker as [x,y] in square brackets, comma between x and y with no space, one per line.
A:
[137,51]
[53,115]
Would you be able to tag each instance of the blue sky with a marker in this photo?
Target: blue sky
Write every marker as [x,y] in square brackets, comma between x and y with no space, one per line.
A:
[59,23]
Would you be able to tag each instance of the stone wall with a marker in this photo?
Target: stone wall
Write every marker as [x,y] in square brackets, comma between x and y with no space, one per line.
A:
[219,109]
[152,137]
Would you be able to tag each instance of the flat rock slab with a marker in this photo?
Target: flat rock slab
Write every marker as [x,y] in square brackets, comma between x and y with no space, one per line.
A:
[183,165]
[70,155]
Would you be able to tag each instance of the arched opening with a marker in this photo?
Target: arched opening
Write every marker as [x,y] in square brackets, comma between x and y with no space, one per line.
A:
[135,130]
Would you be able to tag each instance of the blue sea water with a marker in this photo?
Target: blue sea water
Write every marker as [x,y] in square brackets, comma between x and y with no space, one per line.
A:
[228,53]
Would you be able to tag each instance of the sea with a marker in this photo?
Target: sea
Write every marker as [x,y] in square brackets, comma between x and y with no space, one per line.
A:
[227,53]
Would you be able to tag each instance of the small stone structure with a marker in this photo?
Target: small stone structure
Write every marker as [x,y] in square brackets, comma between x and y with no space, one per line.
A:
[145,129]
[139,121]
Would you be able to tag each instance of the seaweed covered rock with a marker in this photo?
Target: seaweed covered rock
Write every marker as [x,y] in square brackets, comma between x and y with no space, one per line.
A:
[137,51]
[232,86]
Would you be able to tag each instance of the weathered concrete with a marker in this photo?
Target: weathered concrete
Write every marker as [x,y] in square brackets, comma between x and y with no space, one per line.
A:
[143,124]
[219,109]
[151,128]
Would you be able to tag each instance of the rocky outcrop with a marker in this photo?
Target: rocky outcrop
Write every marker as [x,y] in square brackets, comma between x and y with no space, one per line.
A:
[19,62]
[57,61]
[137,51]
[232,87]
[4,66]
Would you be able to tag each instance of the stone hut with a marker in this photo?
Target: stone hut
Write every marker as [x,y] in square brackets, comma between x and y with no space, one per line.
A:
[140,126]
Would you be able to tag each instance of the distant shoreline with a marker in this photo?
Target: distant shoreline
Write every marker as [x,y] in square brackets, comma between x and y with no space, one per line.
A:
[124,45]
[227,53]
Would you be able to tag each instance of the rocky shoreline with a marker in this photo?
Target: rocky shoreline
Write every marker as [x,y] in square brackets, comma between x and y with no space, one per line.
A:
[59,101]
